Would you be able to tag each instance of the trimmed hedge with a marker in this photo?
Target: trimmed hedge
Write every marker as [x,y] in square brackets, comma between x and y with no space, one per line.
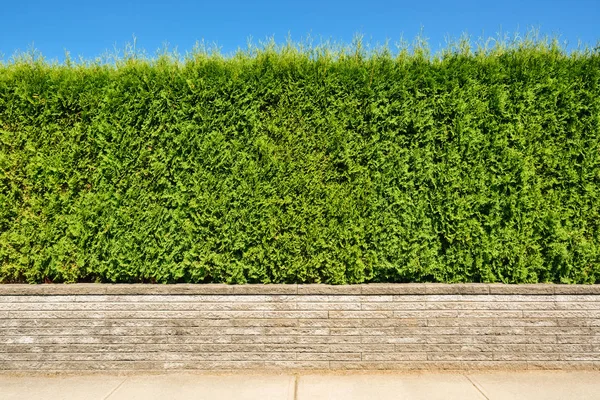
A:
[287,165]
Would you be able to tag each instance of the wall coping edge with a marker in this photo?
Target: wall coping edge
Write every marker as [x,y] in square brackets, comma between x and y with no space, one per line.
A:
[297,289]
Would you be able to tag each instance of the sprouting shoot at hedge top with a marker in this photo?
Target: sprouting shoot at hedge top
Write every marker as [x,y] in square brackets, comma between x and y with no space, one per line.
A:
[286,164]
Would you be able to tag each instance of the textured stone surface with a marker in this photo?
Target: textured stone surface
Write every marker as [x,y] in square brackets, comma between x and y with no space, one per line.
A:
[298,327]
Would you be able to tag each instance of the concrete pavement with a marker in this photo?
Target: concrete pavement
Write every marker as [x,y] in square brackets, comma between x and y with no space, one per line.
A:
[530,385]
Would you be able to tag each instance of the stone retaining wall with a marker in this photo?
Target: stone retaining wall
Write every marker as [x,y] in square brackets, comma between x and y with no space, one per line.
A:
[305,327]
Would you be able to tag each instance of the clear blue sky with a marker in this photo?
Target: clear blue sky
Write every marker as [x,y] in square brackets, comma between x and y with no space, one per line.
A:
[90,28]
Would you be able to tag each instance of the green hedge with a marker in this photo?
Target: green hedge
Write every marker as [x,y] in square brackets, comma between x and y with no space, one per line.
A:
[288,165]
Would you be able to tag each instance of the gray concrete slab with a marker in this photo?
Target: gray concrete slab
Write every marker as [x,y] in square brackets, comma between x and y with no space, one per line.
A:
[546,385]
[498,385]
[425,386]
[58,387]
[206,387]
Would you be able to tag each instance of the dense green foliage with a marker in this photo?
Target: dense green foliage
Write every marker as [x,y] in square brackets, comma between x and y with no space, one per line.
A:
[287,165]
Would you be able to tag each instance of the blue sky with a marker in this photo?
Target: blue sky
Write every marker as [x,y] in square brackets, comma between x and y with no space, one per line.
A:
[90,28]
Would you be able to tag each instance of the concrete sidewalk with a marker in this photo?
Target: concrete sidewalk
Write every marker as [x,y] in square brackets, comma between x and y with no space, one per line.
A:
[532,385]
